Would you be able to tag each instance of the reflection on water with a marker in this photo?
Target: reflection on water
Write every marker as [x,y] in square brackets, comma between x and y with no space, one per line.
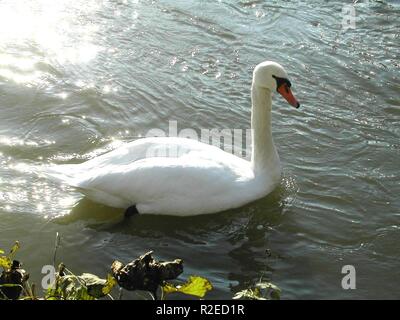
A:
[80,78]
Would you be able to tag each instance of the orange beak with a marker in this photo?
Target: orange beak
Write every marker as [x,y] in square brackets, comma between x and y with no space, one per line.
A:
[285,92]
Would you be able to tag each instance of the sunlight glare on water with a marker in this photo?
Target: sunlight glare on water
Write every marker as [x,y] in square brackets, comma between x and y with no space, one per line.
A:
[52,28]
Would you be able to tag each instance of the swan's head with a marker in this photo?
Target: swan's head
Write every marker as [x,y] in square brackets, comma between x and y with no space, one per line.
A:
[272,76]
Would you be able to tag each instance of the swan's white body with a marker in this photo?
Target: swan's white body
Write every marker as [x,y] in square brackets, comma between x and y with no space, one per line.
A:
[179,176]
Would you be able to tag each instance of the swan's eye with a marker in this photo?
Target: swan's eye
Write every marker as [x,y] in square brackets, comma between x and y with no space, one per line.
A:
[282,82]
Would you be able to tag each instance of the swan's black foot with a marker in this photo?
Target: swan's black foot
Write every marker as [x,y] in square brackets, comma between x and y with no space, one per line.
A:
[132,210]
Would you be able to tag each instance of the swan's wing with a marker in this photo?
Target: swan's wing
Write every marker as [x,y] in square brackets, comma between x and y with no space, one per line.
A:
[126,155]
[145,148]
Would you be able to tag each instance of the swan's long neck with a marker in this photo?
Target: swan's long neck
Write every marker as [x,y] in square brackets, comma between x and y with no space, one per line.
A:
[264,156]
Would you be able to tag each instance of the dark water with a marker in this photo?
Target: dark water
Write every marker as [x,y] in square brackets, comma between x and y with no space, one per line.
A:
[78,78]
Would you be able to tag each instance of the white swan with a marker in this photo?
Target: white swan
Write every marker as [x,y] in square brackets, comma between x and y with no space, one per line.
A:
[190,177]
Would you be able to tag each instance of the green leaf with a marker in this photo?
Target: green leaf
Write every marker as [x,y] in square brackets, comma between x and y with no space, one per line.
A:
[271,291]
[94,285]
[239,295]
[67,287]
[97,287]
[10,285]
[83,294]
[13,250]
[249,294]
[267,285]
[111,282]
[261,291]
[5,262]
[195,286]
[84,287]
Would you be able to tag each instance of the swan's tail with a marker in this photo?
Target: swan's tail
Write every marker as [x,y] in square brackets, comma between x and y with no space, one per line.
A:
[65,173]
[74,175]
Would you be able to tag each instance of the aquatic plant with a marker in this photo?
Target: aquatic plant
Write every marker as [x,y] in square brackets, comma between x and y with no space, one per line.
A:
[144,273]
[261,291]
